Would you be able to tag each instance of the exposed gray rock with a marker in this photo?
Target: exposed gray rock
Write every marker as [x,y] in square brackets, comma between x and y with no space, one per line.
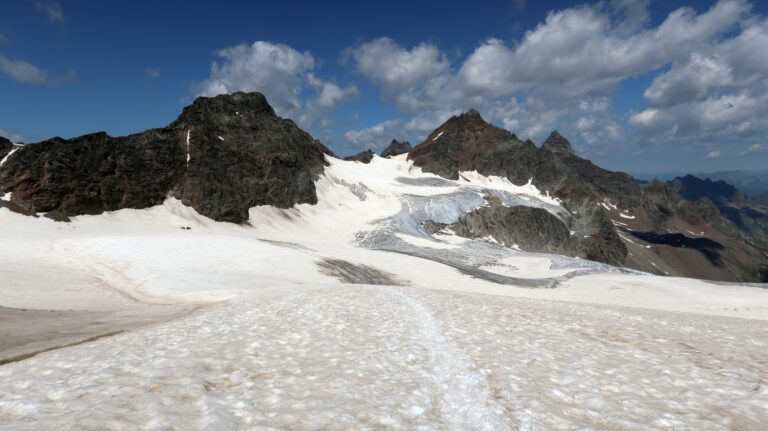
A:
[557,144]
[395,148]
[352,273]
[5,147]
[530,229]
[362,157]
[222,156]
[243,155]
[466,143]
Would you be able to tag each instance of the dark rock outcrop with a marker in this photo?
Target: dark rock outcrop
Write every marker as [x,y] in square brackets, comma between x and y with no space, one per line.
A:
[557,144]
[362,157]
[694,188]
[5,147]
[605,207]
[222,156]
[531,229]
[746,214]
[468,143]
[395,148]
[761,198]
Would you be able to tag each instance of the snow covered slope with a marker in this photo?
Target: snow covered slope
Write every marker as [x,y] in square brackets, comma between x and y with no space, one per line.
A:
[351,314]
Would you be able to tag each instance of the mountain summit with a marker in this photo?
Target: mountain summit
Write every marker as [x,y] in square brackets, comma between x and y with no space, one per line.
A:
[227,154]
[612,218]
[222,156]
[556,143]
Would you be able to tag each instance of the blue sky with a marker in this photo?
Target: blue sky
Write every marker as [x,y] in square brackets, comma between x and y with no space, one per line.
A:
[637,86]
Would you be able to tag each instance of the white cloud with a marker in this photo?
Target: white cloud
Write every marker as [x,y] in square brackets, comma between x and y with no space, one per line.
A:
[562,73]
[384,61]
[282,74]
[22,71]
[276,70]
[375,136]
[152,72]
[13,137]
[713,155]
[418,127]
[752,149]
[51,9]
[717,94]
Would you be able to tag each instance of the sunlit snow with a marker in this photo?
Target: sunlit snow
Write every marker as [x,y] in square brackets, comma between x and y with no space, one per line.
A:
[440,333]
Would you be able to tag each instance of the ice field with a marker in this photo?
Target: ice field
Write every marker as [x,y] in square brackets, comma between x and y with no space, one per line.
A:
[349,315]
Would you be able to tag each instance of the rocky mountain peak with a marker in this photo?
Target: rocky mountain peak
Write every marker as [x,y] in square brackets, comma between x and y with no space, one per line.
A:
[222,156]
[362,157]
[225,108]
[692,188]
[556,143]
[5,146]
[467,120]
[396,148]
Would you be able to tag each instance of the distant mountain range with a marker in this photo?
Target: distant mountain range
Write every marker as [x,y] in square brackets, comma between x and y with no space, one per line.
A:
[227,154]
[751,183]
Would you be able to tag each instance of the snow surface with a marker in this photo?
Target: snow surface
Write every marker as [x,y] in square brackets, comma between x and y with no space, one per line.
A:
[188,133]
[10,153]
[474,335]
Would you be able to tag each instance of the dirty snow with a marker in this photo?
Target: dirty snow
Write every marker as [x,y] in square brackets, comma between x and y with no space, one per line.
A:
[475,335]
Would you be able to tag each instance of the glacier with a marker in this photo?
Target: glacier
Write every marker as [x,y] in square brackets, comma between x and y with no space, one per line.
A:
[348,314]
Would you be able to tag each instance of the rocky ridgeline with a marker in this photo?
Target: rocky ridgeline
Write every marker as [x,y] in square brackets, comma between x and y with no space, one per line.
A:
[227,154]
[362,157]
[5,147]
[468,143]
[222,156]
[395,148]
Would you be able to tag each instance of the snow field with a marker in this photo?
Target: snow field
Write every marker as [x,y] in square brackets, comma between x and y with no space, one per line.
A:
[382,357]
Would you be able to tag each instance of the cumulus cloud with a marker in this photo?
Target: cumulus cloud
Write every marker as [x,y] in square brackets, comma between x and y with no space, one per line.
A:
[51,9]
[752,149]
[13,137]
[402,73]
[380,134]
[282,73]
[716,94]
[563,73]
[375,136]
[22,71]
[712,155]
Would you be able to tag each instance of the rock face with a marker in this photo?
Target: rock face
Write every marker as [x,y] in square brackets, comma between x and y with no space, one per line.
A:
[535,229]
[395,148]
[694,188]
[613,218]
[467,143]
[362,157]
[222,156]
[557,144]
[5,147]
[761,198]
[747,215]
